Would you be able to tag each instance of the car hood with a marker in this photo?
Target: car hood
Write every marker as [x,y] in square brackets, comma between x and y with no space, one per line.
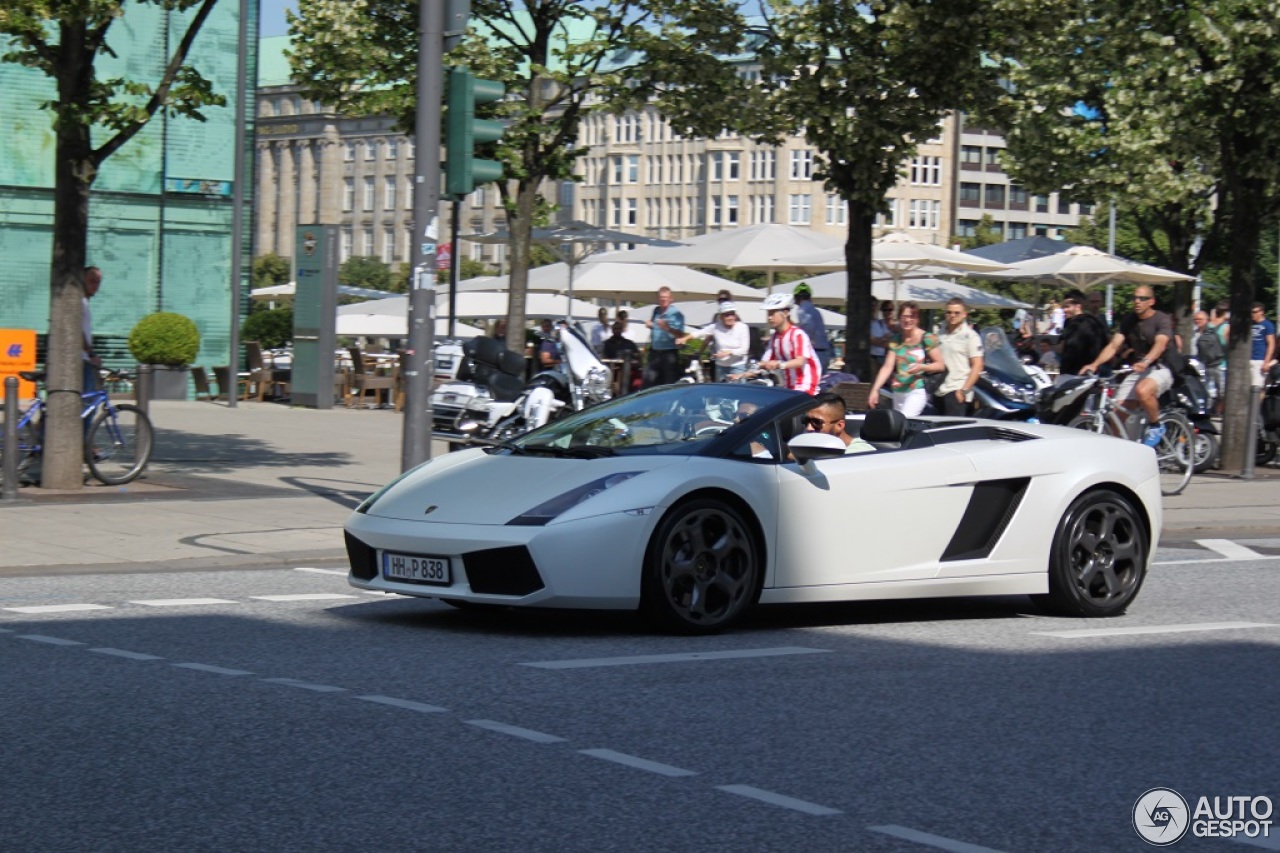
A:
[473,487]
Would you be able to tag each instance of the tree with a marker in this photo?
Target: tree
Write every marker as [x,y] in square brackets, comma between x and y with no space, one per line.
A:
[865,82]
[365,271]
[270,269]
[986,234]
[64,39]
[560,61]
[1165,105]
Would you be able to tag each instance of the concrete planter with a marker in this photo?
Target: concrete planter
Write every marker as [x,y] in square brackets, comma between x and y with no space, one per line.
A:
[169,383]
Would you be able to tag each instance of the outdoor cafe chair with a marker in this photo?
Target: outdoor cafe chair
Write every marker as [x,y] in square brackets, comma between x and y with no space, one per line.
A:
[363,380]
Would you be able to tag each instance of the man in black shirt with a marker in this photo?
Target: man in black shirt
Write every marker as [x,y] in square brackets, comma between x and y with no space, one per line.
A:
[1084,335]
[618,346]
[1147,333]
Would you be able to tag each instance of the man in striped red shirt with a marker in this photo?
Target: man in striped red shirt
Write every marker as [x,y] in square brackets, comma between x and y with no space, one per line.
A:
[790,349]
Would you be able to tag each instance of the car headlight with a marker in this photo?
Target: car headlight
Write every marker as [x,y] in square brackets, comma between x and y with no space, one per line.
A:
[557,506]
[598,381]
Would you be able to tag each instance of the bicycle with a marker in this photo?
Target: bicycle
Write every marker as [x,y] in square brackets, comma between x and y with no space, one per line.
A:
[1175,452]
[117,439]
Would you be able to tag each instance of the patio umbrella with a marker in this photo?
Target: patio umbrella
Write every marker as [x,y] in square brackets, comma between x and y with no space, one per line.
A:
[753,247]
[703,313]
[573,242]
[831,289]
[1085,266]
[1022,249]
[286,292]
[473,306]
[374,325]
[600,280]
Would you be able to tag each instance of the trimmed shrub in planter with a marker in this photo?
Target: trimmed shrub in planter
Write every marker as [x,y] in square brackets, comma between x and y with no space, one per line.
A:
[169,342]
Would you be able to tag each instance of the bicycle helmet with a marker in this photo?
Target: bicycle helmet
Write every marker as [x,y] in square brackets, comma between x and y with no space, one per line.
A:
[778,302]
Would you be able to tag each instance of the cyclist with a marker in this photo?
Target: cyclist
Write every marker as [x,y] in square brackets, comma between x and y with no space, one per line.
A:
[790,349]
[1147,336]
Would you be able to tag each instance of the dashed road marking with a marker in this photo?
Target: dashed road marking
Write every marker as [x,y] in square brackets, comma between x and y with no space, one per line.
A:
[52,641]
[122,653]
[930,840]
[216,670]
[1154,629]
[182,602]
[638,763]
[305,685]
[777,799]
[57,608]
[1231,550]
[305,596]
[407,704]
[675,658]
[515,731]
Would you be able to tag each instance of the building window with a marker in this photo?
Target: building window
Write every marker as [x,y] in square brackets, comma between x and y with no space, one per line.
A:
[371,149]
[967,228]
[408,193]
[388,246]
[923,214]
[632,212]
[393,149]
[732,165]
[837,210]
[1086,209]
[1064,206]
[349,194]
[367,242]
[763,165]
[970,193]
[616,218]
[889,219]
[993,159]
[368,194]
[344,250]
[1018,196]
[348,151]
[762,209]
[715,210]
[971,156]
[1042,203]
[617,169]
[731,210]
[926,171]
[993,195]
[799,209]
[802,164]
[389,193]
[1017,230]
[633,168]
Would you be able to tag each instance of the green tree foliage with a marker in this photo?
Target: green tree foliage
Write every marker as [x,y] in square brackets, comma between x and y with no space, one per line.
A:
[365,271]
[866,82]
[560,61]
[93,117]
[270,269]
[986,234]
[272,328]
[1180,104]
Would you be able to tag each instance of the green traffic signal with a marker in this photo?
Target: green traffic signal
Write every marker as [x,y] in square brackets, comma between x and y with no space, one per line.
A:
[463,170]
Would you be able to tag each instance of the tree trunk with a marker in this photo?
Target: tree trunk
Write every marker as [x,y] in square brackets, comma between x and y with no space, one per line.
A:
[62,463]
[1248,196]
[861,305]
[520,227]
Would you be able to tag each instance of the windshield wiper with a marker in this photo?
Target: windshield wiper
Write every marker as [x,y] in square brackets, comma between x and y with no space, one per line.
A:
[587,451]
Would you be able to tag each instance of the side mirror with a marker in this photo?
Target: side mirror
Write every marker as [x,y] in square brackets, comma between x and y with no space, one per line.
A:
[810,446]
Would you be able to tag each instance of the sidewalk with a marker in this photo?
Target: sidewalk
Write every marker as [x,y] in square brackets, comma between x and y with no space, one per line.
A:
[264,484]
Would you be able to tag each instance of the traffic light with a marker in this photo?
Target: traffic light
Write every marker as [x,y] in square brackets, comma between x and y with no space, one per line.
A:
[462,169]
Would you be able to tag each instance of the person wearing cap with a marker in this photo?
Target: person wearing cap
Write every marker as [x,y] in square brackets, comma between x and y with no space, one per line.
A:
[809,318]
[789,349]
[731,339]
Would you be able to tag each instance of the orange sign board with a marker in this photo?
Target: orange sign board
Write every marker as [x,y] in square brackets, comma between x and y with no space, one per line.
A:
[18,352]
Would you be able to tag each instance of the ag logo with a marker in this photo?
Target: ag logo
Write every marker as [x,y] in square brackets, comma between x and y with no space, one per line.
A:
[309,242]
[1161,817]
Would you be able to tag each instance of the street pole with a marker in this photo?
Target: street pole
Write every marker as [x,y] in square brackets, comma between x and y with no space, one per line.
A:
[1111,249]
[238,187]
[420,357]
[455,262]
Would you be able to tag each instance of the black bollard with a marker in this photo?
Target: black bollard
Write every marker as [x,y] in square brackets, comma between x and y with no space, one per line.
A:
[10,488]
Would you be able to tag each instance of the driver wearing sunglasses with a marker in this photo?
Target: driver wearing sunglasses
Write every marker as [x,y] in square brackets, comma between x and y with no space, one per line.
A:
[828,417]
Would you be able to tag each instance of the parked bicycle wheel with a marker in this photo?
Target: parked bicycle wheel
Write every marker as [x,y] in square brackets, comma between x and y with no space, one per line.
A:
[118,446]
[1175,454]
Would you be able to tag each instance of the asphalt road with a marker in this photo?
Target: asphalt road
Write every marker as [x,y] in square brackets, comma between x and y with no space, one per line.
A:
[281,709]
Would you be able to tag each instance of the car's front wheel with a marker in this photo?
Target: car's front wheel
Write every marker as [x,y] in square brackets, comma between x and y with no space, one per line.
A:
[703,568]
[1098,558]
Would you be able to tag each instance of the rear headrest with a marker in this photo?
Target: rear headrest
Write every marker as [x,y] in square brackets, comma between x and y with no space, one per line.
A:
[884,425]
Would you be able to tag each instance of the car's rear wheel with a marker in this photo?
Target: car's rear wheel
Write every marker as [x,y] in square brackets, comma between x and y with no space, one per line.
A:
[1098,558]
[703,568]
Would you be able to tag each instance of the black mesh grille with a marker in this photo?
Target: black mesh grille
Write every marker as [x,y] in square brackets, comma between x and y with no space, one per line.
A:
[364,560]
[502,571]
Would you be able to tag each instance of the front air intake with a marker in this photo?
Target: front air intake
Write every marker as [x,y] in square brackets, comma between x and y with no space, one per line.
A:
[363,558]
[502,571]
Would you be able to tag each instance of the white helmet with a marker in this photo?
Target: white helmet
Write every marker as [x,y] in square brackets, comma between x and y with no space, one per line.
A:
[778,302]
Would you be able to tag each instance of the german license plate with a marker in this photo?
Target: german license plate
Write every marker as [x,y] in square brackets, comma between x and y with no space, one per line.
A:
[416,568]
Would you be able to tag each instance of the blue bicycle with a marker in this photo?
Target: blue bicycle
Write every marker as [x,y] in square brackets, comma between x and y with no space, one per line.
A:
[117,441]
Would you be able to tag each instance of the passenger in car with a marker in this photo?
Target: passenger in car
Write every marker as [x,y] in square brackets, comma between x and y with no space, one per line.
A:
[828,417]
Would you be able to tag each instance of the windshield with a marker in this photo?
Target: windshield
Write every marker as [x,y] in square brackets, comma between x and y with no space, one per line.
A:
[998,354]
[672,419]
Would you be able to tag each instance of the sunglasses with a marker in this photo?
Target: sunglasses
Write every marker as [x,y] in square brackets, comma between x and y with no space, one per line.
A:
[1143,298]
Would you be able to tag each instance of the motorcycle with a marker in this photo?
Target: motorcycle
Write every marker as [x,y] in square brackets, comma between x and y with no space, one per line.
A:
[481,380]
[1191,394]
[1269,419]
[1008,389]
[581,380]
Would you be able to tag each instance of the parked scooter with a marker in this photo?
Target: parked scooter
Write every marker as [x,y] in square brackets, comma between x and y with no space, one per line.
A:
[1269,419]
[1191,394]
[1008,389]
[581,380]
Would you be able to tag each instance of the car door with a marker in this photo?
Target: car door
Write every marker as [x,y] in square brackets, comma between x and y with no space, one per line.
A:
[868,517]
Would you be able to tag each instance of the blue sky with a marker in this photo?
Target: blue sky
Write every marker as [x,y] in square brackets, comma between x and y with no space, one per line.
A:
[273,22]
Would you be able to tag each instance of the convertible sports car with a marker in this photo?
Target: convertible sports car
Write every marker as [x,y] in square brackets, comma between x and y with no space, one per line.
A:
[695,502]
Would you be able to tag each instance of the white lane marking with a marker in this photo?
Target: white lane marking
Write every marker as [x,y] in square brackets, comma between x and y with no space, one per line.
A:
[122,653]
[182,602]
[930,840]
[1155,629]
[305,596]
[515,731]
[216,670]
[322,571]
[637,763]
[57,608]
[675,658]
[305,685]
[52,641]
[1231,550]
[407,704]
[1270,843]
[777,799]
